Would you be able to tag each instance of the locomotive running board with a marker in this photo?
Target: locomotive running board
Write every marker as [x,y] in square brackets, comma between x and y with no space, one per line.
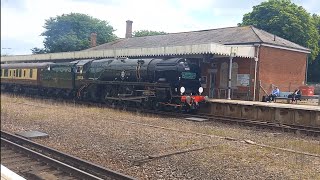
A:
[169,104]
[135,99]
[92,81]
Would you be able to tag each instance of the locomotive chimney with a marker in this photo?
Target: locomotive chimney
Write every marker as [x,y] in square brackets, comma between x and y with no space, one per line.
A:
[93,40]
[129,29]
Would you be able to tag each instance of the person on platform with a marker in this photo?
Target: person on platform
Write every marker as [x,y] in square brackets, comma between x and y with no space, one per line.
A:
[275,93]
[296,95]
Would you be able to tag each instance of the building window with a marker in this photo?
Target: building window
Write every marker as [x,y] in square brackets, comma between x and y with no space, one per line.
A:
[224,75]
[235,68]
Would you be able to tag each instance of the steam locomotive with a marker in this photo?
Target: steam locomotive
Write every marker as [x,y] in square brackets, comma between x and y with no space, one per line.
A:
[172,83]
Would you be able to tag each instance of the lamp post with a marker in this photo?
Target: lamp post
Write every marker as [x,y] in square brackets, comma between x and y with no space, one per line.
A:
[232,55]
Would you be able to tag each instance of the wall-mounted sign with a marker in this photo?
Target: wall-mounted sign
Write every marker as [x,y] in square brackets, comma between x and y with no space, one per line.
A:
[243,79]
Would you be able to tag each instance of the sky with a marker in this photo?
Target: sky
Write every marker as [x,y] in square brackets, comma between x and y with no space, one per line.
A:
[22,20]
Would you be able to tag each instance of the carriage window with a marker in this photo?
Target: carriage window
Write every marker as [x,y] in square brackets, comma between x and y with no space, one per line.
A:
[24,73]
[14,73]
[20,72]
[78,69]
[30,74]
[10,73]
[6,73]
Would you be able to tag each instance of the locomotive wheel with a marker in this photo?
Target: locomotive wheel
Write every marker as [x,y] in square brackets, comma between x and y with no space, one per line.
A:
[157,106]
[123,105]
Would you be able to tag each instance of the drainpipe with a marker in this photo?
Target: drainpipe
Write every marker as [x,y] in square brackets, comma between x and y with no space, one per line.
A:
[307,66]
[256,59]
[230,74]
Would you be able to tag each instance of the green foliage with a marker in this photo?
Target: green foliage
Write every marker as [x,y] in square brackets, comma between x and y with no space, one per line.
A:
[314,67]
[38,50]
[316,19]
[287,20]
[71,32]
[147,33]
[314,71]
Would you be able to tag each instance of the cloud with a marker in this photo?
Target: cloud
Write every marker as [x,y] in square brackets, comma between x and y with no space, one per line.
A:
[13,4]
[312,6]
[22,20]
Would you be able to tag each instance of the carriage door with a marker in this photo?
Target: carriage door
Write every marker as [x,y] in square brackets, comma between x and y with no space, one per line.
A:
[212,81]
[212,84]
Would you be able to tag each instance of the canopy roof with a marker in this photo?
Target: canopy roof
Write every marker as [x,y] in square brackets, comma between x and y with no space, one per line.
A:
[210,48]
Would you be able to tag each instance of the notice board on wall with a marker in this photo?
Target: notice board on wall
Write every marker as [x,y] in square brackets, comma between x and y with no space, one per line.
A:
[243,79]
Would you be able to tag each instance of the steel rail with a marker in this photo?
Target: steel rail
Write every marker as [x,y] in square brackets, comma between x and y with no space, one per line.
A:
[70,164]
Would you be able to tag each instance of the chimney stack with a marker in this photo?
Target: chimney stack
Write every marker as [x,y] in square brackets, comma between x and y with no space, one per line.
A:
[93,40]
[129,29]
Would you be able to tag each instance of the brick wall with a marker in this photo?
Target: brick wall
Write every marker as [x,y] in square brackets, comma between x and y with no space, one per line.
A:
[283,68]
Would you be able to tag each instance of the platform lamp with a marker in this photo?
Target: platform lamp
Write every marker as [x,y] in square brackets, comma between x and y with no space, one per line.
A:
[232,55]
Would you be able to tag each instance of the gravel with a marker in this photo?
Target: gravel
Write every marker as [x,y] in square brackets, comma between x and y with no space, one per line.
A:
[153,147]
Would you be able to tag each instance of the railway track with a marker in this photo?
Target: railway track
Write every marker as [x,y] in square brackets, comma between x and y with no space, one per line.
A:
[34,161]
[311,131]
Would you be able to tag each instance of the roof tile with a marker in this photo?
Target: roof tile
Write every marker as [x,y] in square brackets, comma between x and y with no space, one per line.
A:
[226,36]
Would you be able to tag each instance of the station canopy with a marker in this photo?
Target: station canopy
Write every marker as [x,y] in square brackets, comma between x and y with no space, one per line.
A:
[210,48]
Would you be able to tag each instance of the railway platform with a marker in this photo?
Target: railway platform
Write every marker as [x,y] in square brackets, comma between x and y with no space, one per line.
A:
[7,174]
[286,114]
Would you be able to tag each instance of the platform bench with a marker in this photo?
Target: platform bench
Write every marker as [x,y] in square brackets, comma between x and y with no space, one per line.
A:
[283,95]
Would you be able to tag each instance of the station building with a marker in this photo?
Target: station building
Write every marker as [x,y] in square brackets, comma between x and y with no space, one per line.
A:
[236,62]
[266,61]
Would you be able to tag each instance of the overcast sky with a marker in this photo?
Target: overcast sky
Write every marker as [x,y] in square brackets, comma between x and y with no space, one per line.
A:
[22,20]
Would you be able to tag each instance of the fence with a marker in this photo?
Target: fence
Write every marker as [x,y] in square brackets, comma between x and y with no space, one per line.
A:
[316,87]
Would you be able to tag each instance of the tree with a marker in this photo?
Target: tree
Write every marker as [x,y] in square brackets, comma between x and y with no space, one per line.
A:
[71,32]
[38,50]
[314,67]
[287,20]
[141,33]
